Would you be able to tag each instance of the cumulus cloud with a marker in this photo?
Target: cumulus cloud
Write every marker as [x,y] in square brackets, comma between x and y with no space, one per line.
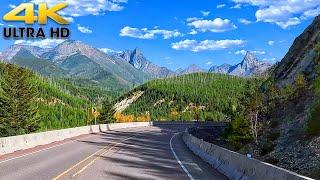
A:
[244,52]
[284,13]
[271,43]
[205,13]
[196,46]
[145,33]
[45,43]
[1,24]
[219,6]
[84,30]
[244,21]
[193,32]
[216,25]
[78,8]
[108,51]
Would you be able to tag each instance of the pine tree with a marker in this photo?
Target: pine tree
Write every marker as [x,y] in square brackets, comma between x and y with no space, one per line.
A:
[18,113]
[107,112]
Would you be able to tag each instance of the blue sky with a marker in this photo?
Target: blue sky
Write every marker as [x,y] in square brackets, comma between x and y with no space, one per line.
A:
[176,33]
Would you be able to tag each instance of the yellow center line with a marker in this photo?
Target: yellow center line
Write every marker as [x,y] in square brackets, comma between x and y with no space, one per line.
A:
[74,166]
[89,164]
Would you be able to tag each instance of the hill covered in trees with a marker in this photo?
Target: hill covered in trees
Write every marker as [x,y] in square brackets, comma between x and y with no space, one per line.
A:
[199,96]
[31,103]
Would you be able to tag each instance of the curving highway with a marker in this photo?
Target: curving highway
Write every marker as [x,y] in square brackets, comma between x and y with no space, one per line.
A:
[137,153]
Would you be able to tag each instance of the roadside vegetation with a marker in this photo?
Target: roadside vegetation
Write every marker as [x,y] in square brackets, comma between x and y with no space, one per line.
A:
[33,103]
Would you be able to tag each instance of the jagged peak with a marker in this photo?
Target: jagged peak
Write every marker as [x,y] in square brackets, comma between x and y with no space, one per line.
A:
[250,57]
[137,50]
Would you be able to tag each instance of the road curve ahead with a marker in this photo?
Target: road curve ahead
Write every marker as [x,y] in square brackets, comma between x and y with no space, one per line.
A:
[137,153]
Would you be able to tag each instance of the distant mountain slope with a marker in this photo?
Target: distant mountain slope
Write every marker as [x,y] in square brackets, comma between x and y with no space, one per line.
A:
[121,70]
[26,59]
[191,69]
[77,60]
[13,50]
[250,66]
[222,69]
[139,61]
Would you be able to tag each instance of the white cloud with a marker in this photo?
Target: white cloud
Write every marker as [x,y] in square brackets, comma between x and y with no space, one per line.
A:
[108,51]
[244,52]
[193,32]
[196,46]
[216,25]
[69,19]
[284,13]
[193,19]
[1,24]
[237,6]
[78,8]
[145,33]
[259,52]
[84,30]
[205,13]
[221,6]
[45,43]
[271,43]
[209,63]
[12,6]
[244,21]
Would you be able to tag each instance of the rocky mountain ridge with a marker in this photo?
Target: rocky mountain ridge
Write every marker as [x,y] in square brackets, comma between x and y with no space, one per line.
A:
[191,69]
[139,61]
[249,66]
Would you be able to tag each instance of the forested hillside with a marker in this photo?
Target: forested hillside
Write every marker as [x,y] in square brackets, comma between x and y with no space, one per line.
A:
[31,103]
[199,96]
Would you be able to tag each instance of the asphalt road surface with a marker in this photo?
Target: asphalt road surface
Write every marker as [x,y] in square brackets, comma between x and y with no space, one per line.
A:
[137,153]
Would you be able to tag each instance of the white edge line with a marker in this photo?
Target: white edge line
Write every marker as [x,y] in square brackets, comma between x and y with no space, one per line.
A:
[39,150]
[178,160]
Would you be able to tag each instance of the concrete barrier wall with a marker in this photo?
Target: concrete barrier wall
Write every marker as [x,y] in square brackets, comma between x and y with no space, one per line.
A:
[115,126]
[235,165]
[15,143]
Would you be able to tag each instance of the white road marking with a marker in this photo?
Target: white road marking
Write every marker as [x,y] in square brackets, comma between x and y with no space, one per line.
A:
[178,160]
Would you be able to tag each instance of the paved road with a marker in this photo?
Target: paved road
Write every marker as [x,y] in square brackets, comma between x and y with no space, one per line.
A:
[137,153]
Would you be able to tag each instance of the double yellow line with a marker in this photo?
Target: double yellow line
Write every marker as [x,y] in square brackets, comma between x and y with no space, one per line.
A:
[99,153]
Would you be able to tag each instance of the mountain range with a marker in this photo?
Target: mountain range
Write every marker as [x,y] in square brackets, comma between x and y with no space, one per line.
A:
[75,59]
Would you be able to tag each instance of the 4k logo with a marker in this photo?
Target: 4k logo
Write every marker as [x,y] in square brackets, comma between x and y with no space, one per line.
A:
[43,13]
